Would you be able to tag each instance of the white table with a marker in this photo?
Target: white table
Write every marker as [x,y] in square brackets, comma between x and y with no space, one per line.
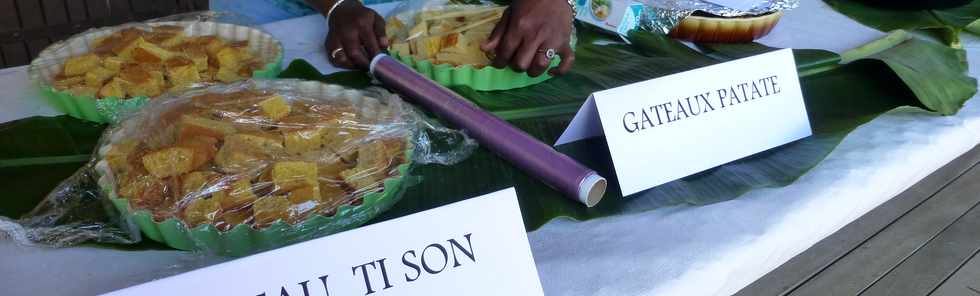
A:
[707,250]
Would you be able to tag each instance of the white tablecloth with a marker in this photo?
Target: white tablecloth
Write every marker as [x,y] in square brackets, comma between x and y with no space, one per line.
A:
[707,250]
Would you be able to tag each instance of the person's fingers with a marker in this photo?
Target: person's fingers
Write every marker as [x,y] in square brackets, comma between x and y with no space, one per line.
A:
[490,45]
[370,41]
[336,58]
[567,60]
[354,50]
[379,31]
[341,61]
[540,62]
[521,61]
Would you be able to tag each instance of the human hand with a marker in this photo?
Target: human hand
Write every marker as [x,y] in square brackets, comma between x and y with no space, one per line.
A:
[356,35]
[527,31]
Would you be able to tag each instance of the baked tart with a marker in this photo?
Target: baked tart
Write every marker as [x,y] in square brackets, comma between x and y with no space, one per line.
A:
[708,28]
[278,161]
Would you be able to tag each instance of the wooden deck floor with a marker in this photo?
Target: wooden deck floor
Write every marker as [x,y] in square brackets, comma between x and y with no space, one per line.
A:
[926,241]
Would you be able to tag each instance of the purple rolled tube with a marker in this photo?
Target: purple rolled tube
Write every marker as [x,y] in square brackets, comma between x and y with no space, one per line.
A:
[527,153]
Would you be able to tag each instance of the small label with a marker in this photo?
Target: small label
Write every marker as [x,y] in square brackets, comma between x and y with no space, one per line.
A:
[667,128]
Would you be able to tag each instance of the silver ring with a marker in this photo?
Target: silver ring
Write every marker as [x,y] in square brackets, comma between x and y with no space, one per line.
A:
[333,54]
[550,53]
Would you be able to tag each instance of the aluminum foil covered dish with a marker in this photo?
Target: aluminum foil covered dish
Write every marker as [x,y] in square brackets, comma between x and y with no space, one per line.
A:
[693,20]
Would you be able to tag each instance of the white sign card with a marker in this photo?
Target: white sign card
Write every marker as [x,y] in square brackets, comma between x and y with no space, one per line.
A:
[671,127]
[472,247]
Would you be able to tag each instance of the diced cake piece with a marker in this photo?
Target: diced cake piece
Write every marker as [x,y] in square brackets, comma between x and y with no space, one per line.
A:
[428,46]
[169,162]
[165,39]
[197,54]
[190,126]
[332,193]
[248,68]
[238,195]
[260,143]
[289,175]
[127,46]
[195,182]
[230,160]
[374,161]
[274,107]
[302,141]
[227,75]
[304,195]
[153,194]
[270,209]
[160,54]
[229,58]
[331,167]
[344,139]
[244,52]
[401,48]
[97,76]
[139,82]
[67,82]
[181,72]
[118,156]
[204,149]
[113,89]
[81,64]
[229,219]
[133,187]
[113,63]
[211,43]
[201,211]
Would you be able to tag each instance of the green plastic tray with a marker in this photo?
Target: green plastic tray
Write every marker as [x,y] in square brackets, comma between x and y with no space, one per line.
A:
[244,239]
[108,110]
[484,79]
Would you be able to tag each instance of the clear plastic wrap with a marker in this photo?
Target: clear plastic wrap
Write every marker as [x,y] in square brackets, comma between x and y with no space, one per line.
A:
[442,31]
[441,40]
[234,169]
[662,16]
[91,73]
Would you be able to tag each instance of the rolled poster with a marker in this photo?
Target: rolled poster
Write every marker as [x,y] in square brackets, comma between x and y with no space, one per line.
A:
[527,153]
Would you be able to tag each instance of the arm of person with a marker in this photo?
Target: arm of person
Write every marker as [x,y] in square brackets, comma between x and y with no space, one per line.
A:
[528,31]
[356,34]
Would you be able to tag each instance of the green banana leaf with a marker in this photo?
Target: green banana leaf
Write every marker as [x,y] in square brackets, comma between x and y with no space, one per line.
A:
[839,97]
[897,71]
[946,23]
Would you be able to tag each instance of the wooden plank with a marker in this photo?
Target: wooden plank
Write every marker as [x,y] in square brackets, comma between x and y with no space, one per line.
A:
[77,10]
[31,14]
[120,8]
[941,257]
[863,266]
[36,46]
[15,54]
[143,6]
[966,280]
[55,12]
[97,8]
[806,265]
[164,7]
[9,20]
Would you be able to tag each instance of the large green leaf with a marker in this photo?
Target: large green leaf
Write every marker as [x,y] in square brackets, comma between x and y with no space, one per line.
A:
[947,23]
[839,97]
[38,153]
